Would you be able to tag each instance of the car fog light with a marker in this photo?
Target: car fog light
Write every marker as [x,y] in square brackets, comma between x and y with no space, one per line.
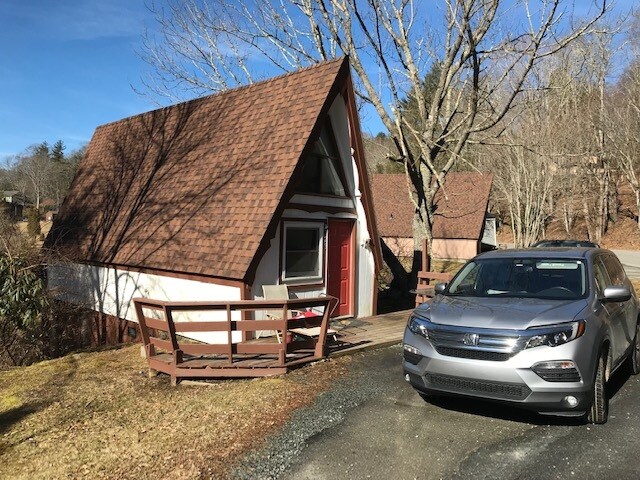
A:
[571,401]
[557,371]
[411,349]
[407,378]
[555,365]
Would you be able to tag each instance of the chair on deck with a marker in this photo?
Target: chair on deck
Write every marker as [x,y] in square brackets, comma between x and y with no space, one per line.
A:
[281,292]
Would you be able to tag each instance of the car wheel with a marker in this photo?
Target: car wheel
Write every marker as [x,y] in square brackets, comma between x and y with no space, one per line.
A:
[599,411]
[634,355]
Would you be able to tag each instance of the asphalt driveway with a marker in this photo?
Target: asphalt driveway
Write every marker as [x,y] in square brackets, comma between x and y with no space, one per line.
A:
[372,425]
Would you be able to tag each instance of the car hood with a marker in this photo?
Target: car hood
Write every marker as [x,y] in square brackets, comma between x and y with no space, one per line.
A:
[500,313]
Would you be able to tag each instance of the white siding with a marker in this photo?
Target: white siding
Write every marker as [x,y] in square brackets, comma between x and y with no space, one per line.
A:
[365,264]
[268,271]
[110,291]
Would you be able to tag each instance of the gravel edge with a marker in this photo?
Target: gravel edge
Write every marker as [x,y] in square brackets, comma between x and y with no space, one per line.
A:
[329,409]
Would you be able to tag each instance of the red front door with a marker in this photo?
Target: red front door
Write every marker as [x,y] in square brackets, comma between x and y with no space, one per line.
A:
[339,260]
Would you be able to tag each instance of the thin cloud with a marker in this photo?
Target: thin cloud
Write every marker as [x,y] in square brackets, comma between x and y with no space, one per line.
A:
[78,20]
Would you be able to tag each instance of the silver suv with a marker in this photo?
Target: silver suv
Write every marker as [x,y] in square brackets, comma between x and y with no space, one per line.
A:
[539,328]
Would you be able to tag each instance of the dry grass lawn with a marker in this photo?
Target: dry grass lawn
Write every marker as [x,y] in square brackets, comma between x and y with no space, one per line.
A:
[95,414]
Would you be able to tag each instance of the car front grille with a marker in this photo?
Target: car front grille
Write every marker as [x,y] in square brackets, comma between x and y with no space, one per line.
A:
[473,354]
[499,390]
[558,375]
[475,344]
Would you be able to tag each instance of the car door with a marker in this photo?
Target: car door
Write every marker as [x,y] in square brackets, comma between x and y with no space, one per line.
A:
[604,310]
[627,315]
[606,277]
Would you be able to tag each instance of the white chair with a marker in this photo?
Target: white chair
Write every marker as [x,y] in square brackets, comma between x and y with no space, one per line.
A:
[281,292]
[275,292]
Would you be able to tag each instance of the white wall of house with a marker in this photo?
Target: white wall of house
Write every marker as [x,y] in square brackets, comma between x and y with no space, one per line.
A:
[365,264]
[110,290]
[268,272]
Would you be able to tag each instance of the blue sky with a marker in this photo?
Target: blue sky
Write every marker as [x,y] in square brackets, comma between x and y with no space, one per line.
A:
[67,66]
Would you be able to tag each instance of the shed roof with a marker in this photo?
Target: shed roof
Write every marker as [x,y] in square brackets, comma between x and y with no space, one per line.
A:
[194,187]
[460,214]
[394,210]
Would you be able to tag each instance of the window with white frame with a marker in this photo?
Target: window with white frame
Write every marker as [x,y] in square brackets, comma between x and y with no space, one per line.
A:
[302,248]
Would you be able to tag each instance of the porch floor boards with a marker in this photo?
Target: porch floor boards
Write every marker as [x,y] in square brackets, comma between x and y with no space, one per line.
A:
[362,333]
[366,333]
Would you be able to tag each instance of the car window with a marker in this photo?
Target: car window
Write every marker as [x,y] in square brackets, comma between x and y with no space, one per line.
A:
[601,276]
[614,269]
[552,278]
[466,282]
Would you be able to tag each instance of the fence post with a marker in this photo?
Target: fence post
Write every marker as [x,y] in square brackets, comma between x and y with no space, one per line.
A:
[229,335]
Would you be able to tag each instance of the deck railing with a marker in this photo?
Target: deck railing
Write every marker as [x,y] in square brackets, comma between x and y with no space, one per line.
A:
[247,357]
[424,289]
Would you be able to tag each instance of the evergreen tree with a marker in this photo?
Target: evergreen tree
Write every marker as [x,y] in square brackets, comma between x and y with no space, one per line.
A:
[409,105]
[41,150]
[57,152]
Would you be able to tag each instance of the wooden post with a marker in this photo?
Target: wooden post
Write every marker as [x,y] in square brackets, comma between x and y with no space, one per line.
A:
[229,335]
[322,339]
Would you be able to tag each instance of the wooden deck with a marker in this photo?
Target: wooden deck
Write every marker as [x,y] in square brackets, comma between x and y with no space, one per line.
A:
[365,333]
[299,339]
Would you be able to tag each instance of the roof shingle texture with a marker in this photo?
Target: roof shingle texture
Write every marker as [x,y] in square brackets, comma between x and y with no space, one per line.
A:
[394,210]
[460,214]
[192,187]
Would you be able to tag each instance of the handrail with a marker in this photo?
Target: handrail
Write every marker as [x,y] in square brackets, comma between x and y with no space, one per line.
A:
[174,328]
[238,304]
[435,276]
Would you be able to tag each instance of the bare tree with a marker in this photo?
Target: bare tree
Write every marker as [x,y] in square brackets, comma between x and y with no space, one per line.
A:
[486,50]
[624,130]
[34,168]
[623,115]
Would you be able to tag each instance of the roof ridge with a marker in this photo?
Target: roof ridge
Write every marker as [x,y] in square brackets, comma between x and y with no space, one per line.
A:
[230,90]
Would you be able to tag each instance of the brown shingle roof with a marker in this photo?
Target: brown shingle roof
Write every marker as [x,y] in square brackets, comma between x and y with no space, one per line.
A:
[193,187]
[394,210]
[459,215]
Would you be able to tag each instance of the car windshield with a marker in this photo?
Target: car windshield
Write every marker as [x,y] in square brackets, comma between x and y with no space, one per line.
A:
[549,278]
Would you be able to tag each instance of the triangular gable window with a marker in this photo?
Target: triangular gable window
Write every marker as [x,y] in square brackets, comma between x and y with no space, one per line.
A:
[321,172]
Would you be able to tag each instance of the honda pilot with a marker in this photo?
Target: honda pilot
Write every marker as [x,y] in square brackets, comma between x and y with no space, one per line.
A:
[541,329]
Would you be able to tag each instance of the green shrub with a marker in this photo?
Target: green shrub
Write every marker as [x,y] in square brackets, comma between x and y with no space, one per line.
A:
[23,307]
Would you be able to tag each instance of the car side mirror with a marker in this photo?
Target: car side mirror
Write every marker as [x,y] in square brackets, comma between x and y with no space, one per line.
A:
[440,288]
[616,293]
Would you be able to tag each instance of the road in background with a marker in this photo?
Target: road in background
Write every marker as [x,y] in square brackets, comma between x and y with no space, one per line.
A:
[630,260]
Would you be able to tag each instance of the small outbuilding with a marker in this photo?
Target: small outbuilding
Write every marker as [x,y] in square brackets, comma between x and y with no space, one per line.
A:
[462,226]
[211,199]
[14,203]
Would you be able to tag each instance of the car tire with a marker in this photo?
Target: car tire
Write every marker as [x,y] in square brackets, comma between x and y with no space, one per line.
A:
[634,355]
[599,411]
[425,396]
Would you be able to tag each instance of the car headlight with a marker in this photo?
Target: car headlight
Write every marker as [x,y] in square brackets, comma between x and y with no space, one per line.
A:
[418,325]
[554,335]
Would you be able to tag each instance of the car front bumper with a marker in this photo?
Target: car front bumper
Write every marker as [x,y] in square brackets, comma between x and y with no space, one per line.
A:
[512,381]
